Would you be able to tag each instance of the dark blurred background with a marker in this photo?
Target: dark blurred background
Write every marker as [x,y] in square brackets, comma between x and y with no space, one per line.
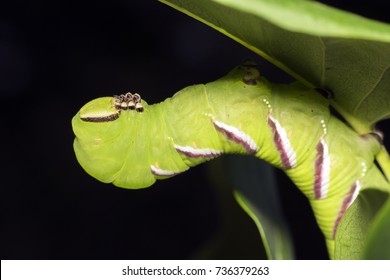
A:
[57,55]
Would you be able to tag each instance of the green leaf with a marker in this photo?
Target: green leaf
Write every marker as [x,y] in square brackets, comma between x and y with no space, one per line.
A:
[378,240]
[257,194]
[319,45]
[352,231]
[255,190]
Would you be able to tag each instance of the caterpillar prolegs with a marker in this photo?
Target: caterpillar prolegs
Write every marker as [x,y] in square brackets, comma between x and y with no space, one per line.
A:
[289,126]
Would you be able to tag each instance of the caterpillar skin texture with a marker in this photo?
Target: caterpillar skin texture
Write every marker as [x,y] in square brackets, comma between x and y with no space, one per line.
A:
[289,126]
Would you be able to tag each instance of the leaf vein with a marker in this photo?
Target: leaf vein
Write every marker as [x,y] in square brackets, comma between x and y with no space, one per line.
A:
[367,94]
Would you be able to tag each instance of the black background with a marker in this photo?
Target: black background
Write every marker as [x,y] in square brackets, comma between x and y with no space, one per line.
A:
[57,55]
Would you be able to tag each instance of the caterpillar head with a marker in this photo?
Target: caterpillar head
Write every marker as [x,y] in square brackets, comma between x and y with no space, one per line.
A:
[107,130]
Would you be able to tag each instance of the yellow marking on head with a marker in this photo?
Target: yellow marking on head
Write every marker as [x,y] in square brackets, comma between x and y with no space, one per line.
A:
[324,129]
[267,103]
[364,169]
[210,115]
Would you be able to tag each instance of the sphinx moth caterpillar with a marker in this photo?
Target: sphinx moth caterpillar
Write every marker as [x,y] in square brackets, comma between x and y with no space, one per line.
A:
[124,141]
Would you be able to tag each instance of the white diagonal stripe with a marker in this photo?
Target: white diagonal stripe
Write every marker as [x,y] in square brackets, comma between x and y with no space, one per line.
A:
[161,172]
[194,152]
[288,149]
[242,137]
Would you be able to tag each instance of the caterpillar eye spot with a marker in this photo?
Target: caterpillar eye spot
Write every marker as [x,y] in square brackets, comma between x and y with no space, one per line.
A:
[249,81]
[139,107]
[128,101]
[131,105]
[251,77]
[123,105]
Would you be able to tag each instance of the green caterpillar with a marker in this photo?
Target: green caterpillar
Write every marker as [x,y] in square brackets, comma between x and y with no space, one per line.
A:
[289,126]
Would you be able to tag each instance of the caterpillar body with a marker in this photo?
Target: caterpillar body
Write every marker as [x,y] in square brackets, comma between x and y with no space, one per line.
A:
[289,126]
